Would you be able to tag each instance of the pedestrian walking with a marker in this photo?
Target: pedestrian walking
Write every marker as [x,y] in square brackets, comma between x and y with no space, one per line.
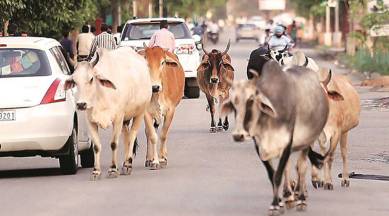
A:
[67,44]
[84,43]
[103,40]
[163,38]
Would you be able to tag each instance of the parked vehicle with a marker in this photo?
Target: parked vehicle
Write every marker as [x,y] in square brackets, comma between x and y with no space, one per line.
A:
[247,31]
[139,31]
[37,116]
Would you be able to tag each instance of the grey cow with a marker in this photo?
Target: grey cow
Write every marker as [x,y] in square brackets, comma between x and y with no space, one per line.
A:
[284,110]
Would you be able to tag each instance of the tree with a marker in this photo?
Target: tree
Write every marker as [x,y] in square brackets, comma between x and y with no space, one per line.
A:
[49,17]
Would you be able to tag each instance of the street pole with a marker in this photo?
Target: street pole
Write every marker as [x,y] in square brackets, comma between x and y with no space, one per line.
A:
[134,8]
[337,34]
[160,8]
[150,8]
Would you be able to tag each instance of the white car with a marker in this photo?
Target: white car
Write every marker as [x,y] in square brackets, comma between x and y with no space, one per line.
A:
[37,117]
[139,31]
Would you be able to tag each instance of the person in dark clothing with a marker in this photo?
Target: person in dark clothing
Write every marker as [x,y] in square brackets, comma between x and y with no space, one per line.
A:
[67,44]
[71,67]
[12,30]
[93,30]
[258,58]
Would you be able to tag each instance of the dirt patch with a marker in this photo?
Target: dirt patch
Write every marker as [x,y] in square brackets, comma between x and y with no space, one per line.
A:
[382,81]
[380,104]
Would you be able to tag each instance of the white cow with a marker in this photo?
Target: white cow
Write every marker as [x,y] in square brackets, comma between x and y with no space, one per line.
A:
[114,89]
[298,58]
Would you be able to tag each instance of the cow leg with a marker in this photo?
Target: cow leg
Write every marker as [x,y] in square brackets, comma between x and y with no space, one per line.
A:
[277,205]
[152,160]
[164,133]
[301,204]
[220,122]
[93,129]
[226,124]
[129,141]
[288,191]
[328,162]
[343,149]
[267,164]
[317,180]
[211,105]
[113,170]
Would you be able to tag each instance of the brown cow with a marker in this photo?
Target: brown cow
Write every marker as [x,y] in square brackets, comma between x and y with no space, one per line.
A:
[168,80]
[214,76]
[343,116]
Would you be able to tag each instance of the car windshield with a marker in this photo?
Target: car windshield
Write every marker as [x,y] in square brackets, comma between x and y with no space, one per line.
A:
[23,63]
[144,31]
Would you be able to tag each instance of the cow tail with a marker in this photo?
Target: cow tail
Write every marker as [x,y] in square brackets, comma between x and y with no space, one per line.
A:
[316,159]
[136,146]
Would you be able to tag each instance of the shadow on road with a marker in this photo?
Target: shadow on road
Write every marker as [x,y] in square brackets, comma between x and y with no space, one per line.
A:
[22,173]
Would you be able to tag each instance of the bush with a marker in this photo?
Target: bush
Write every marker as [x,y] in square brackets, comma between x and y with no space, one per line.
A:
[364,61]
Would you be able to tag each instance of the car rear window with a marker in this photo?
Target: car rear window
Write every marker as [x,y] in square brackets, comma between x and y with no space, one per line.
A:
[144,31]
[23,63]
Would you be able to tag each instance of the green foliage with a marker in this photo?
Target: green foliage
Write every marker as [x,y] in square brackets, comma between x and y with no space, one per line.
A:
[374,20]
[307,7]
[363,60]
[51,17]
[8,7]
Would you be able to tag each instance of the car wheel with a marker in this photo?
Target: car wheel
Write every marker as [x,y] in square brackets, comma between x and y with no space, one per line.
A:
[88,158]
[69,163]
[192,92]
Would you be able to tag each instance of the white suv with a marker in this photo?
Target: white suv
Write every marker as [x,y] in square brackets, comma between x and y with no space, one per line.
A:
[37,116]
[139,31]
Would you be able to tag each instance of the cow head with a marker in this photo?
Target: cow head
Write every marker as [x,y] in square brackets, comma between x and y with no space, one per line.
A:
[159,60]
[89,79]
[214,63]
[249,104]
[281,56]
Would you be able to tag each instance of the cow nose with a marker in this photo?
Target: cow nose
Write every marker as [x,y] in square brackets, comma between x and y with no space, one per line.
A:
[238,137]
[155,88]
[81,106]
[214,80]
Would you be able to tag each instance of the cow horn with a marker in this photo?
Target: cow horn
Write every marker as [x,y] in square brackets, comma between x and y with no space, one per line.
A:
[268,47]
[254,72]
[227,48]
[145,45]
[93,63]
[285,48]
[205,51]
[328,79]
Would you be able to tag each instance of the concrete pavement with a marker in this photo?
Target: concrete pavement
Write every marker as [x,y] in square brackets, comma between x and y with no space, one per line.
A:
[208,174]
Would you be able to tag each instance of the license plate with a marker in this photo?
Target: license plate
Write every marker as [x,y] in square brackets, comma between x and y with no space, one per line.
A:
[7,115]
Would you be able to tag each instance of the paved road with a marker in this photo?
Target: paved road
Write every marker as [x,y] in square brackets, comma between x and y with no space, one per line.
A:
[208,174]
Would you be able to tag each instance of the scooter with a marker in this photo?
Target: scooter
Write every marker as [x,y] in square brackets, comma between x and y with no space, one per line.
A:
[213,36]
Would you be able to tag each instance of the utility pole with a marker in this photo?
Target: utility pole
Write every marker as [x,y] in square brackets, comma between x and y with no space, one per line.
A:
[134,8]
[150,8]
[160,8]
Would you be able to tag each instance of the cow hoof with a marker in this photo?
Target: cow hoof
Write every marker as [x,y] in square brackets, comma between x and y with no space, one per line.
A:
[126,169]
[225,127]
[163,163]
[96,175]
[219,128]
[282,207]
[290,204]
[113,173]
[148,163]
[212,130]
[317,184]
[301,205]
[345,183]
[274,210]
[154,166]
[293,185]
[328,186]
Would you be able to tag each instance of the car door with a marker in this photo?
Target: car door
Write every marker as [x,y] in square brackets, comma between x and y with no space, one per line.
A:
[83,136]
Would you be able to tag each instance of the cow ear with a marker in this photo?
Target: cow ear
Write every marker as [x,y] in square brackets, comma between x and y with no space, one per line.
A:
[265,105]
[169,61]
[105,82]
[227,108]
[334,95]
[227,62]
[69,84]
[228,67]
[142,52]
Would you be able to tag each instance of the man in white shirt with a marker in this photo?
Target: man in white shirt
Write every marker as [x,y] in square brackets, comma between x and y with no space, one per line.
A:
[84,43]
[163,38]
[278,41]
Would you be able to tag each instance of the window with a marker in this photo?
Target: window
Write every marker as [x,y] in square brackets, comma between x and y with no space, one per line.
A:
[144,31]
[15,62]
[56,51]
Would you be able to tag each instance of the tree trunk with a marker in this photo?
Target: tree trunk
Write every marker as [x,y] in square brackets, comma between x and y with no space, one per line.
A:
[115,15]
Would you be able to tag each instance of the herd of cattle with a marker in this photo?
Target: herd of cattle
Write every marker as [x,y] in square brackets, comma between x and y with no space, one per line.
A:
[287,104]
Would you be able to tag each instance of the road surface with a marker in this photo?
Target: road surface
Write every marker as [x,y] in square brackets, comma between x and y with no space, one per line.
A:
[208,174]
